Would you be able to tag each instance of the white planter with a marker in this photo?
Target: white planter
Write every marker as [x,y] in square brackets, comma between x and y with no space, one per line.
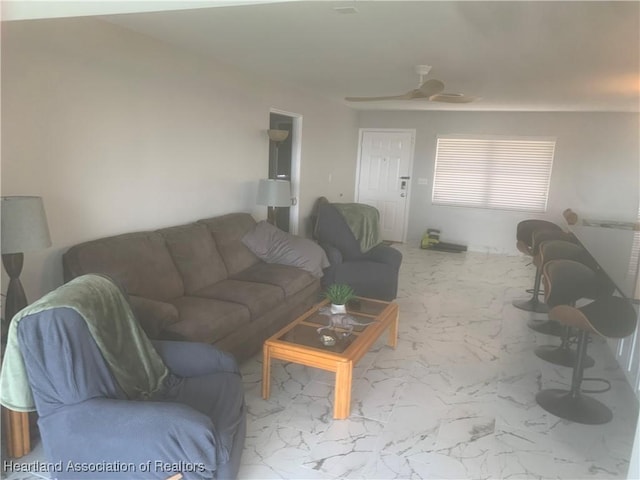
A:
[336,309]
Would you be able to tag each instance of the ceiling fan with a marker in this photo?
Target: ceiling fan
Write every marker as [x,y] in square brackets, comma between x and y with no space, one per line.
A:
[431,90]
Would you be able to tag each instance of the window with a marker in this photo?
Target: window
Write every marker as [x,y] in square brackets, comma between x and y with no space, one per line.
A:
[505,173]
[634,261]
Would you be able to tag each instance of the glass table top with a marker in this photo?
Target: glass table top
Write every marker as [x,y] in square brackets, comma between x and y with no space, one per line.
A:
[310,332]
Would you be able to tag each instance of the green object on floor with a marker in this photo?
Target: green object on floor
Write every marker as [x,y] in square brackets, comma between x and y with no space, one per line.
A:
[431,241]
[430,238]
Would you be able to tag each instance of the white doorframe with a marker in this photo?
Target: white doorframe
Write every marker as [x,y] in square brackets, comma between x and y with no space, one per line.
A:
[296,160]
[411,131]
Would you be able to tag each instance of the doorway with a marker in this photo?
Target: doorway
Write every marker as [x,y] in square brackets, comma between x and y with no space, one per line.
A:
[284,164]
[385,162]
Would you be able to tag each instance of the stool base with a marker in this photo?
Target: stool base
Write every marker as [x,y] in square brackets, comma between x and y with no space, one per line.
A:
[577,408]
[562,356]
[531,305]
[547,327]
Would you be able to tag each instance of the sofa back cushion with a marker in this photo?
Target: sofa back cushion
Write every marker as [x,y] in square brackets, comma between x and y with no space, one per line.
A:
[228,230]
[194,252]
[272,245]
[139,262]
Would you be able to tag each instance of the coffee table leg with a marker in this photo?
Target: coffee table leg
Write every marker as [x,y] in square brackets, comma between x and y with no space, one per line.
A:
[266,372]
[393,331]
[342,401]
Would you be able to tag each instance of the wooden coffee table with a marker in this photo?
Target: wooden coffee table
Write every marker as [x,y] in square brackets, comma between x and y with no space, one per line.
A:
[299,342]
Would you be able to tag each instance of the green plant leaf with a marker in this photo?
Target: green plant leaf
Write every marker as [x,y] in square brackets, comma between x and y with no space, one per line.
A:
[339,293]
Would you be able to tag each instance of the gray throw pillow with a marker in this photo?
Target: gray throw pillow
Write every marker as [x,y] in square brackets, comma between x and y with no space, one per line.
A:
[272,245]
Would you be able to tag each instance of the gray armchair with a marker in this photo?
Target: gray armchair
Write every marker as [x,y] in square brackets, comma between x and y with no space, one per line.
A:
[372,274]
[193,425]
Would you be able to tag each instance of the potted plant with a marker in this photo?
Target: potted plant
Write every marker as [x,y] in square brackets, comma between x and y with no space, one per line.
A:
[339,294]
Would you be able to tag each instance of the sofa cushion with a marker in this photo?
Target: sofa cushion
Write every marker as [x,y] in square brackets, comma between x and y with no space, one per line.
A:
[208,320]
[227,231]
[139,262]
[272,245]
[154,316]
[290,279]
[195,254]
[257,297]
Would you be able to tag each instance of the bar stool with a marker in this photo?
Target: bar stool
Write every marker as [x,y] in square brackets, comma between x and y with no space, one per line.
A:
[525,231]
[530,236]
[557,250]
[609,317]
[565,284]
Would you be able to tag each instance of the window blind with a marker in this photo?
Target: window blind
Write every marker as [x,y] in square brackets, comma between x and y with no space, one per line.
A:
[634,261]
[493,172]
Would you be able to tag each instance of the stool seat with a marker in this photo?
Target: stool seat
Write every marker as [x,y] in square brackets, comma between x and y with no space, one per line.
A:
[597,317]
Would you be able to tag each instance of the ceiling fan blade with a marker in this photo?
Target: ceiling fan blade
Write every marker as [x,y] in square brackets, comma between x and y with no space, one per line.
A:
[431,87]
[452,98]
[404,96]
[431,90]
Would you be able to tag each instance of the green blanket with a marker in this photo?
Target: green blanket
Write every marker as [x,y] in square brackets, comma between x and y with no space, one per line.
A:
[133,361]
[363,220]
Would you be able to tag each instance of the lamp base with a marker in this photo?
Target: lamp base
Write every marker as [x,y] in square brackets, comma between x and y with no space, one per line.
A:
[272,215]
[16,300]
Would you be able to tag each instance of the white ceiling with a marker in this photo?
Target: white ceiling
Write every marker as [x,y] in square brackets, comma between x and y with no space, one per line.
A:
[515,55]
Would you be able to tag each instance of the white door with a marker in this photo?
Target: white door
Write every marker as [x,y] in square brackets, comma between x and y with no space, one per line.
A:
[384,169]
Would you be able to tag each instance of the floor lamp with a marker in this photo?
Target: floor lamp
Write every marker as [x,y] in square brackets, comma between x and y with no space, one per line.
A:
[24,229]
[277,137]
[274,193]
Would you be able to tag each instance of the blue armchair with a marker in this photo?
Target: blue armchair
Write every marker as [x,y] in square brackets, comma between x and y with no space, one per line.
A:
[372,274]
[194,424]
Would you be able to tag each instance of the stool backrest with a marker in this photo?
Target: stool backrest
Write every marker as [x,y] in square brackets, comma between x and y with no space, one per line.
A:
[567,281]
[564,250]
[525,230]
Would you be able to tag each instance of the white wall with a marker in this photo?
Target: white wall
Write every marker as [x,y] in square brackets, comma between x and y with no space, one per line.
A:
[118,132]
[634,461]
[595,171]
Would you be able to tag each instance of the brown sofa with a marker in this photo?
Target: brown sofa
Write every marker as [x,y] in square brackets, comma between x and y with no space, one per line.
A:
[199,282]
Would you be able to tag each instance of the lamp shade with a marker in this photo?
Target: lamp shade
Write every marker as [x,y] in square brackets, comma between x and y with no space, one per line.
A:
[278,135]
[274,193]
[24,225]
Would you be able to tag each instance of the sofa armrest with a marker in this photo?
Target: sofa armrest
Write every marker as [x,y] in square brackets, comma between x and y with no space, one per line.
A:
[154,316]
[333,254]
[193,359]
[369,279]
[385,254]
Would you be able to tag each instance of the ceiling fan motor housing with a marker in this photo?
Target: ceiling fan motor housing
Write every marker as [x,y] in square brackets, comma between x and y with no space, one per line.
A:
[423,69]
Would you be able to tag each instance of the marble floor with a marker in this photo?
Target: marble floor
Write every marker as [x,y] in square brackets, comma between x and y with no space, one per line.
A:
[454,400]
